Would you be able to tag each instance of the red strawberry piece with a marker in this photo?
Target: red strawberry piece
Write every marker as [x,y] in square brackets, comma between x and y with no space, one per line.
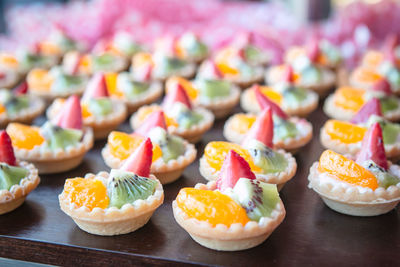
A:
[216,71]
[382,86]
[36,48]
[242,53]
[233,168]
[2,75]
[96,88]
[140,161]
[76,64]
[71,114]
[313,51]
[262,129]
[265,102]
[372,147]
[176,94]
[372,107]
[6,149]
[21,89]
[289,74]
[390,56]
[143,73]
[155,119]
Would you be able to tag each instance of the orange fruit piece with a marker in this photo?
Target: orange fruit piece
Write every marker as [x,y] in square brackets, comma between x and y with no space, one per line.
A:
[85,111]
[122,145]
[349,98]
[48,48]
[215,153]
[241,123]
[8,60]
[90,193]
[271,94]
[111,81]
[40,80]
[226,69]
[2,108]
[366,75]
[278,73]
[186,84]
[346,170]
[180,51]
[24,136]
[372,59]
[144,112]
[211,206]
[85,64]
[346,132]
[141,59]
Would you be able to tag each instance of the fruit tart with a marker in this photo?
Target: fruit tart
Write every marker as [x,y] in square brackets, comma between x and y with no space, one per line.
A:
[162,66]
[10,73]
[218,96]
[122,43]
[269,165]
[182,118]
[118,202]
[133,91]
[55,83]
[100,112]
[171,154]
[55,146]
[294,100]
[345,137]
[236,212]
[232,67]
[289,133]
[17,106]
[367,185]
[347,101]
[17,178]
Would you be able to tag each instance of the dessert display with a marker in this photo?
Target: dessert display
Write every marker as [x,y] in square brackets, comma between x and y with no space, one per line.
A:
[122,43]
[347,101]
[218,96]
[55,146]
[17,178]
[171,154]
[118,202]
[268,164]
[365,185]
[100,112]
[182,118]
[294,100]
[236,212]
[346,137]
[55,83]
[17,106]
[289,133]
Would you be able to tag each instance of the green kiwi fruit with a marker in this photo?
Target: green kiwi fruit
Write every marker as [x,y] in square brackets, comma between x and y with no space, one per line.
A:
[10,175]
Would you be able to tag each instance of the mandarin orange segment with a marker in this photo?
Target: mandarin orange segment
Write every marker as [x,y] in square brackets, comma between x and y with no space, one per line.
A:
[2,108]
[322,59]
[141,59]
[271,94]
[293,53]
[180,51]
[144,112]
[215,153]
[122,145]
[85,64]
[226,69]
[48,48]
[90,193]
[367,75]
[24,136]
[241,123]
[111,81]
[8,60]
[85,111]
[186,84]
[372,58]
[211,206]
[346,170]
[349,98]
[346,132]
[40,80]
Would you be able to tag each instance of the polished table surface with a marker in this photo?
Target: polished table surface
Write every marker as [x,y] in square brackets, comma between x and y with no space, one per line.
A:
[311,233]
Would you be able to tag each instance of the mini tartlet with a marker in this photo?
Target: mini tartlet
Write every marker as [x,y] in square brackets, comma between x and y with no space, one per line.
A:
[17,178]
[15,106]
[269,165]
[347,101]
[366,186]
[100,112]
[234,213]
[182,118]
[171,156]
[345,137]
[218,96]
[9,72]
[114,203]
[54,147]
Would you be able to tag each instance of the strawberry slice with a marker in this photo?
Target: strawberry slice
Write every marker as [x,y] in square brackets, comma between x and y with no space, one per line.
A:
[36,49]
[233,168]
[96,88]
[383,86]
[372,147]
[288,76]
[372,107]
[391,42]
[262,129]
[242,54]
[155,119]
[140,161]
[265,102]
[6,149]
[313,51]
[21,89]
[143,73]
[176,94]
[71,115]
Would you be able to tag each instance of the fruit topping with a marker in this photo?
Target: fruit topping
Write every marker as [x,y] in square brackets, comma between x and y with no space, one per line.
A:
[313,51]
[155,119]
[186,84]
[271,94]
[143,73]
[349,98]
[140,161]
[89,193]
[6,150]
[12,103]
[264,102]
[372,107]
[233,168]
[262,130]
[211,206]
[24,136]
[97,106]
[241,123]
[346,132]
[172,146]
[174,95]
[383,86]
[289,75]
[11,175]
[211,89]
[60,138]
[215,69]
[21,89]
[97,87]
[71,116]
[145,111]
[40,80]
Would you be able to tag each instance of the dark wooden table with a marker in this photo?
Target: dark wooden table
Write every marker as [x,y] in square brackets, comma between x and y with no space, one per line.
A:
[311,233]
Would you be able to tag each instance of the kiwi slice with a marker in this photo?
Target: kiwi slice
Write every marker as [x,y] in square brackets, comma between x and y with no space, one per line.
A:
[388,104]
[259,199]
[16,104]
[252,53]
[57,137]
[385,178]
[214,88]
[284,129]
[126,187]
[390,131]
[294,95]
[311,75]
[266,158]
[100,106]
[171,146]
[10,175]
[5,96]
